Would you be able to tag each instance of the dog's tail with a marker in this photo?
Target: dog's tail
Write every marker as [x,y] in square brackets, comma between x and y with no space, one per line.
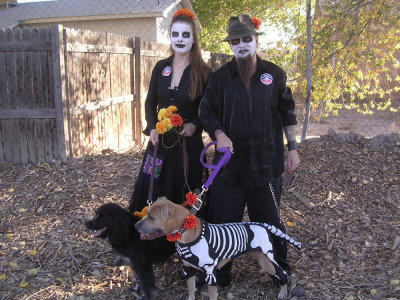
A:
[279,233]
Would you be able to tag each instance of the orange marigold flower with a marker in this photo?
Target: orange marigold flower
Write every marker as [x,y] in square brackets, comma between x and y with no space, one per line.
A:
[161,127]
[191,198]
[256,23]
[174,237]
[141,214]
[170,110]
[190,222]
[176,120]
[184,12]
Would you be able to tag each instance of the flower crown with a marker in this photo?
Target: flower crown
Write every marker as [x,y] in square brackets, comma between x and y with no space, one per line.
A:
[256,23]
[168,119]
[184,12]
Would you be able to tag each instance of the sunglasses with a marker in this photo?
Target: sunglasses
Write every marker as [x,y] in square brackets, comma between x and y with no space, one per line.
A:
[246,39]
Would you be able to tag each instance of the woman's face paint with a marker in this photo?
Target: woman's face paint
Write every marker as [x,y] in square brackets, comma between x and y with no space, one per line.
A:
[181,37]
[243,47]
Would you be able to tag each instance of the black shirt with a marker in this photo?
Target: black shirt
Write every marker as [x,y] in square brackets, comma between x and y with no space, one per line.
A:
[253,120]
[160,95]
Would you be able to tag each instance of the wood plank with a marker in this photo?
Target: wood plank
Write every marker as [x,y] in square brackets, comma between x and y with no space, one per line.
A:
[24,46]
[87,48]
[3,76]
[305,201]
[136,106]
[27,92]
[23,140]
[39,139]
[8,140]
[36,76]
[2,150]
[59,92]
[19,71]
[27,113]
[11,73]
[45,73]
[31,141]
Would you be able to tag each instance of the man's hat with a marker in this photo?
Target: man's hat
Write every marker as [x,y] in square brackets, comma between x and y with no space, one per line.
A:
[242,26]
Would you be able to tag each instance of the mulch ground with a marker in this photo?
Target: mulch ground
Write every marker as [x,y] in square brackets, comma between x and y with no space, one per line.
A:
[343,204]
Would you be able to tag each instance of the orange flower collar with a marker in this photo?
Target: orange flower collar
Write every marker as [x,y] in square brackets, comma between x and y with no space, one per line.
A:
[190,223]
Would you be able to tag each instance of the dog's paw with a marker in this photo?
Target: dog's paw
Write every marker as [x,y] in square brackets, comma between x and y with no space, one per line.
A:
[283,293]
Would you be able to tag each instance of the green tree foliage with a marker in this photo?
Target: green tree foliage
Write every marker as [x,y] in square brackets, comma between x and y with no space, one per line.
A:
[356,46]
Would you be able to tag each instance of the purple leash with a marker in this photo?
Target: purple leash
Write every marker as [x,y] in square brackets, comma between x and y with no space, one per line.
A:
[222,162]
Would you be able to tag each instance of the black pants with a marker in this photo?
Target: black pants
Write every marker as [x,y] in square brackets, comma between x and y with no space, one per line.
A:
[227,204]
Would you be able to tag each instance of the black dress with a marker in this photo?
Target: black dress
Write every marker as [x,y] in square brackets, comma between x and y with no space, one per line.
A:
[171,182]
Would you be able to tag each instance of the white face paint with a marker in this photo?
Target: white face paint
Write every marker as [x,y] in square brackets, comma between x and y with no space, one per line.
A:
[181,37]
[243,47]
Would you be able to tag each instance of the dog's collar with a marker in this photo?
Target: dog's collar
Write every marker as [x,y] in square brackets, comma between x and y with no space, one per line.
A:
[190,223]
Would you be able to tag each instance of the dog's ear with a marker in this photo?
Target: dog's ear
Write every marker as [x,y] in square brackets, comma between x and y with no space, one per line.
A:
[165,211]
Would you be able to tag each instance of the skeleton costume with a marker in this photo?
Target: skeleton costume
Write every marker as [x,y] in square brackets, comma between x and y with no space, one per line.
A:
[219,241]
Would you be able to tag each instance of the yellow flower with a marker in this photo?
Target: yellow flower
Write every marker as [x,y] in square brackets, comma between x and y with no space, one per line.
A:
[168,124]
[170,110]
[162,114]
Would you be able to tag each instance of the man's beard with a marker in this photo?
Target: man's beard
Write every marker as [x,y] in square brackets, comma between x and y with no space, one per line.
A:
[244,67]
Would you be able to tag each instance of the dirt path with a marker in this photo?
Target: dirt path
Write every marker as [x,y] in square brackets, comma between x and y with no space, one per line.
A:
[380,122]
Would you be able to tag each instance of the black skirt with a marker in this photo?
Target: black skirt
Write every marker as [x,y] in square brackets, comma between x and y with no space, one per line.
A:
[171,182]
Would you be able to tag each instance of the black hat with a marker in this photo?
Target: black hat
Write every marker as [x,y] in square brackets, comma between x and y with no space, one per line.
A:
[239,27]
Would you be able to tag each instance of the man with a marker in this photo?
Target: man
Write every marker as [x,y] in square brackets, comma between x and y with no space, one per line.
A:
[246,107]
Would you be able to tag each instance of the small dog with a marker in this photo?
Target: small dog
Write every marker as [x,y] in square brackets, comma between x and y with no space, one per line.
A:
[117,225]
[208,247]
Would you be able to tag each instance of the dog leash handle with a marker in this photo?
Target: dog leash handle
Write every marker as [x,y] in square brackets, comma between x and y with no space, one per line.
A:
[222,162]
[153,170]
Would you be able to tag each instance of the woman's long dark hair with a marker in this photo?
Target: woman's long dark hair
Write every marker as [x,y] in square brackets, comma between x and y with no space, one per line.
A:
[199,70]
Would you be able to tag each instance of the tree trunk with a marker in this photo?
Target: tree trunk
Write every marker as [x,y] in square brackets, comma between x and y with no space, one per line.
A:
[309,57]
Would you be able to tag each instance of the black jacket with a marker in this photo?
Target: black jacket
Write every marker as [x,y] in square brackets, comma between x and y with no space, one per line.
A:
[253,120]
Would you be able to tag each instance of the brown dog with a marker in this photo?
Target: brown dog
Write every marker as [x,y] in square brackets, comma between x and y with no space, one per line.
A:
[208,247]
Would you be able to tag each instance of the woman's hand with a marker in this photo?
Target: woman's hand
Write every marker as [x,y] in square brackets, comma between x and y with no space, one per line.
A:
[188,129]
[154,136]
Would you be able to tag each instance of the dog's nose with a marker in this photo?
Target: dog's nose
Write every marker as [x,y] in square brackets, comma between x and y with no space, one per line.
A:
[88,224]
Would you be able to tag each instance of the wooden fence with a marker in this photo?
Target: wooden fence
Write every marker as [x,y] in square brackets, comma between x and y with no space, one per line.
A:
[65,93]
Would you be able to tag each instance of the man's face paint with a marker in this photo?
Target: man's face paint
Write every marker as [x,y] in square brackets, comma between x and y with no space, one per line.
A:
[243,47]
[181,37]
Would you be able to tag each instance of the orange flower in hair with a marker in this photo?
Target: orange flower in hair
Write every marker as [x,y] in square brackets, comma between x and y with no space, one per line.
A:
[184,12]
[256,23]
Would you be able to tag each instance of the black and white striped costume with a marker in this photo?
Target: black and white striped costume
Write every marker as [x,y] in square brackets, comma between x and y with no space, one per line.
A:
[219,241]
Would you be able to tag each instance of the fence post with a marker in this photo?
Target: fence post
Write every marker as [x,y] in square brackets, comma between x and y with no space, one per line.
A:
[137,103]
[57,47]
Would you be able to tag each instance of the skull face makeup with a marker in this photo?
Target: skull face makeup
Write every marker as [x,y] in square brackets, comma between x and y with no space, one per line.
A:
[181,37]
[243,47]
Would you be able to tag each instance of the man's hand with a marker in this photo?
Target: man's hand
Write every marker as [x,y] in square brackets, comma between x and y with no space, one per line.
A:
[223,140]
[154,136]
[293,161]
[188,129]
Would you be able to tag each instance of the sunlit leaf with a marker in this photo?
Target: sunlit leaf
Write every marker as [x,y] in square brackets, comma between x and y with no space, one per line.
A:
[23,285]
[32,252]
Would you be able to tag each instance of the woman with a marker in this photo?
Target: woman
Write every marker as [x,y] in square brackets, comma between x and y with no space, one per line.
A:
[177,81]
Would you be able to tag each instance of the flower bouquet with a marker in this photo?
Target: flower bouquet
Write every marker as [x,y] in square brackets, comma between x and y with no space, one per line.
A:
[168,119]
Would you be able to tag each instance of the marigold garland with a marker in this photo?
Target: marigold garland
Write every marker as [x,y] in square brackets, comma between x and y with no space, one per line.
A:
[256,23]
[174,237]
[190,223]
[184,12]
